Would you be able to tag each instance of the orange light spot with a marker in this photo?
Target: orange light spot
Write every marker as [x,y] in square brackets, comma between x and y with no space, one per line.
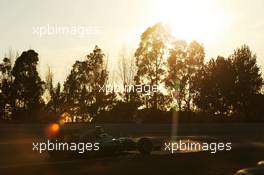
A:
[54,128]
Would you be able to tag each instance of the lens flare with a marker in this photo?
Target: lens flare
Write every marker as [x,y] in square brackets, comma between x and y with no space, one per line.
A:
[55,127]
[52,130]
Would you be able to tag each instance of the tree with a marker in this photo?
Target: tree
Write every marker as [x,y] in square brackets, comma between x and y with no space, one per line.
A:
[176,80]
[194,63]
[73,87]
[248,80]
[230,86]
[27,88]
[99,100]
[5,89]
[151,61]
[49,81]
[183,64]
[53,98]
[6,82]
[127,72]
[84,89]
[214,85]
[54,106]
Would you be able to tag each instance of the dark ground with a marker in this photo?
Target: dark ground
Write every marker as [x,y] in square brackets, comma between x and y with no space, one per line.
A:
[17,157]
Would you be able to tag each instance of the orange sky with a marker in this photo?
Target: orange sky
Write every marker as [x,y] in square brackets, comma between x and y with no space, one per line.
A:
[220,25]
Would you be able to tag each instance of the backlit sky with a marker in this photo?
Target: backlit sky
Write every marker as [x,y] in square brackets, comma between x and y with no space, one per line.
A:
[220,25]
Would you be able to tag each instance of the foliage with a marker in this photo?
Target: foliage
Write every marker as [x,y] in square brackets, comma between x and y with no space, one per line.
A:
[229,86]
[151,61]
[223,89]
[27,87]
[83,90]
[183,64]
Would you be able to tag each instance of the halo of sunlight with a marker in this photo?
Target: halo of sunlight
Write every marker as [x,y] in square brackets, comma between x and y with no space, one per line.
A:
[190,20]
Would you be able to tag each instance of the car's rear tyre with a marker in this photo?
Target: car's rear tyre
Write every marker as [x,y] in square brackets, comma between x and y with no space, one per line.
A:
[145,146]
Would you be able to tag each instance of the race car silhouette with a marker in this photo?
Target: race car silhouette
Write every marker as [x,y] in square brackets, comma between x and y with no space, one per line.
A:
[107,143]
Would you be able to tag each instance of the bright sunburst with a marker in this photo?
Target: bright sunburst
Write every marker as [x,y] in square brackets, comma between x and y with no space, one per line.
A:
[191,19]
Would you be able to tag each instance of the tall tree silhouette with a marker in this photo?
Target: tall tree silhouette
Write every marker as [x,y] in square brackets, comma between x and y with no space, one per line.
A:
[151,61]
[53,97]
[248,80]
[126,72]
[215,87]
[84,89]
[183,64]
[27,87]
[229,86]
[5,89]
[194,62]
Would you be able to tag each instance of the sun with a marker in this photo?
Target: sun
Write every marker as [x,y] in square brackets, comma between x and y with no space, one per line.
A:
[202,20]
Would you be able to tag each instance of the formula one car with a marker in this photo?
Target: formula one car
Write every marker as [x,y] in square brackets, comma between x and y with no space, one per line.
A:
[106,144]
[259,170]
